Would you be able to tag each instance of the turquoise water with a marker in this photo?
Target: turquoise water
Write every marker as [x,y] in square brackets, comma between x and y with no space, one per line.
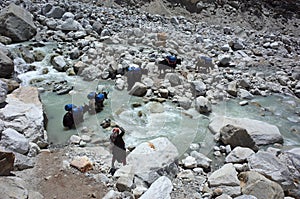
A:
[172,123]
[181,127]
[279,110]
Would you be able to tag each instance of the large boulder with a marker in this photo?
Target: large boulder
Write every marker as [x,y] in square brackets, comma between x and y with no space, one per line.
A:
[6,65]
[149,157]
[17,23]
[24,113]
[282,169]
[262,133]
[236,136]
[255,184]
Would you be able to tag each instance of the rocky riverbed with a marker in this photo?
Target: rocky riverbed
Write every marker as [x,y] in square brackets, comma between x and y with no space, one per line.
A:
[230,50]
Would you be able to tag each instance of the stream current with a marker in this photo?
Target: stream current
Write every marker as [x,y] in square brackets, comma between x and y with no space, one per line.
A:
[180,126]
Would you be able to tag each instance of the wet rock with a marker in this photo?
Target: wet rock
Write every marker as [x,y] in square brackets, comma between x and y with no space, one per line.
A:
[202,105]
[59,63]
[38,55]
[184,102]
[138,89]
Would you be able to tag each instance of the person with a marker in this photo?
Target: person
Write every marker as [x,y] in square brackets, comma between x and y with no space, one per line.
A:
[68,120]
[96,101]
[169,62]
[74,115]
[118,147]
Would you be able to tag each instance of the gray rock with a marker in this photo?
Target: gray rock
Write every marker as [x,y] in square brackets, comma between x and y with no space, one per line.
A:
[34,150]
[13,140]
[23,162]
[246,197]
[236,136]
[59,63]
[255,184]
[274,168]
[225,176]
[24,113]
[202,105]
[149,157]
[239,155]
[90,73]
[186,175]
[13,187]
[244,94]
[201,159]
[224,59]
[232,88]
[3,91]
[6,65]
[17,23]
[199,88]
[173,78]
[189,162]
[160,189]
[262,133]
[112,195]
[139,89]
[125,177]
[67,15]
[51,11]
[184,102]
[70,25]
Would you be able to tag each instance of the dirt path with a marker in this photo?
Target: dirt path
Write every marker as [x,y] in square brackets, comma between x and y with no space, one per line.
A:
[50,179]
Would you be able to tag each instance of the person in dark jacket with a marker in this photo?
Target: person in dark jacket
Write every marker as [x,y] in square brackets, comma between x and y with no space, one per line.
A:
[74,115]
[96,101]
[118,147]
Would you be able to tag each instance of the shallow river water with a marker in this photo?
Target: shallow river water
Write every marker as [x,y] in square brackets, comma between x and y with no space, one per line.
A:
[181,127]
